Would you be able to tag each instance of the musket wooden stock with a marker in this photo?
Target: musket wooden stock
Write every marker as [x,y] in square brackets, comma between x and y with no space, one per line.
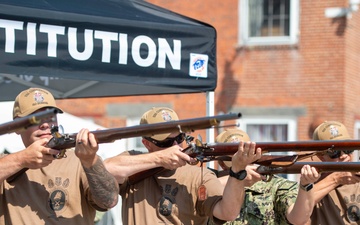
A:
[218,149]
[63,142]
[215,151]
[27,121]
[320,167]
[212,151]
[111,135]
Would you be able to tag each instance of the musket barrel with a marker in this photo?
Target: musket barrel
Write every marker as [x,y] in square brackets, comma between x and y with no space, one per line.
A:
[186,125]
[286,146]
[320,167]
[24,122]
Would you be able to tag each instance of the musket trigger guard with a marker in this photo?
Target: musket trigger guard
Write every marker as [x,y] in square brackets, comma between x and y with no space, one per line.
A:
[194,163]
[267,177]
[61,154]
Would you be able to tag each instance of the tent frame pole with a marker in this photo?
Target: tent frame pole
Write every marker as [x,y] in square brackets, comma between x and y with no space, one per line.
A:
[210,109]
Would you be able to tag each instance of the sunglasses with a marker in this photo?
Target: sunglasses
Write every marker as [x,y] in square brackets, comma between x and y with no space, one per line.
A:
[168,142]
[337,153]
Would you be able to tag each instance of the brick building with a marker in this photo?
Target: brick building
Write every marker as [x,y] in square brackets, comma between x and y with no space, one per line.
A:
[284,76]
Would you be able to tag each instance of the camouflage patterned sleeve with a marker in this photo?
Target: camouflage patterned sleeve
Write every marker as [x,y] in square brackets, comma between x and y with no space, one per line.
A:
[286,196]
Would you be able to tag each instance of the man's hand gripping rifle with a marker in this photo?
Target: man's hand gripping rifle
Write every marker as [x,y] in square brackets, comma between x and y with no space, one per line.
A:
[65,141]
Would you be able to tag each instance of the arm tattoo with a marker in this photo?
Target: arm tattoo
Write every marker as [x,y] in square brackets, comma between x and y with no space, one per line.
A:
[103,185]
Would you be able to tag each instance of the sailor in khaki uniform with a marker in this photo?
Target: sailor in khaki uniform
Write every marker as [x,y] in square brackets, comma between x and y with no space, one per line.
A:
[337,194]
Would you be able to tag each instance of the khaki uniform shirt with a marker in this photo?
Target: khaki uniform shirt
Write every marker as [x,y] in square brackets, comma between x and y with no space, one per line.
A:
[170,197]
[340,206]
[56,194]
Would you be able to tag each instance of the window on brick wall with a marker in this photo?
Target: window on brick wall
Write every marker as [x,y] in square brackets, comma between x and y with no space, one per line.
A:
[269,130]
[268,22]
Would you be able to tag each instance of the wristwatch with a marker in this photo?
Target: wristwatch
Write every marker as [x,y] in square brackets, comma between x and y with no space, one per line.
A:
[239,175]
[307,187]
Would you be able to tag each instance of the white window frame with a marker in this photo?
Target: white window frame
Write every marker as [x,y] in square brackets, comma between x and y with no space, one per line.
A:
[356,136]
[245,40]
[289,121]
